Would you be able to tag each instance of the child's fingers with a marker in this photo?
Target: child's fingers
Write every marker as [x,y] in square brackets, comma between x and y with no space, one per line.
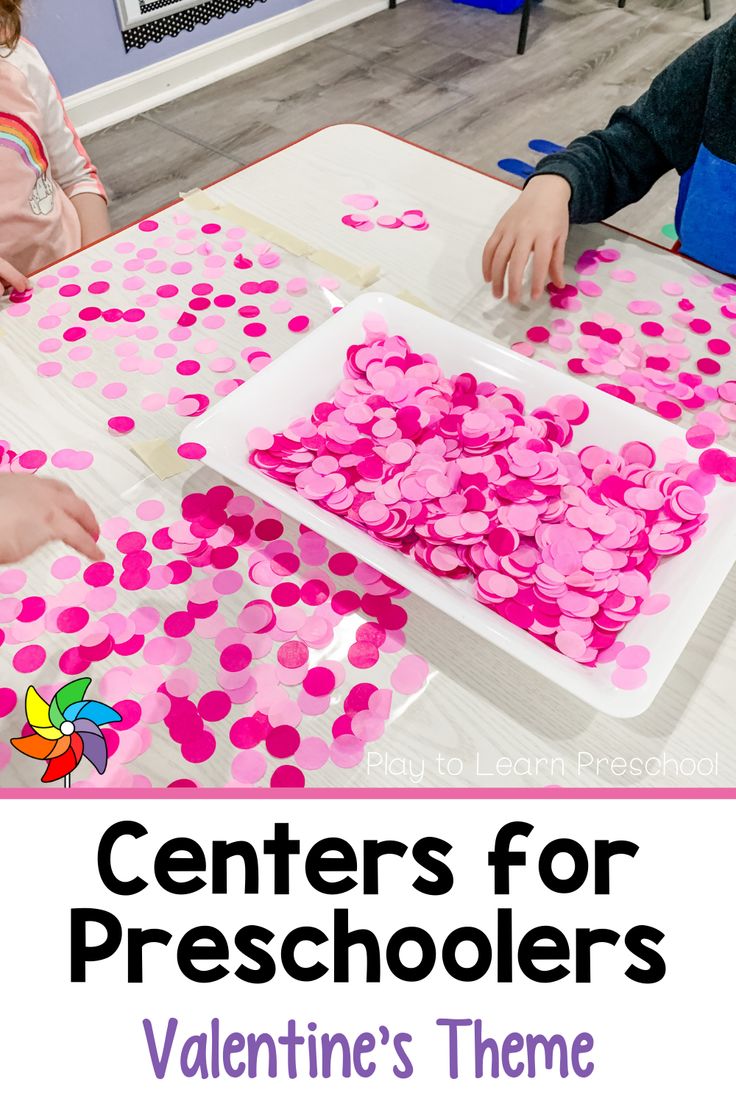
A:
[542,260]
[498,267]
[81,512]
[76,536]
[12,277]
[517,265]
[557,264]
[488,253]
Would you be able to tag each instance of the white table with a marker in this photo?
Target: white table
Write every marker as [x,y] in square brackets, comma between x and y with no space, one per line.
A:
[481,719]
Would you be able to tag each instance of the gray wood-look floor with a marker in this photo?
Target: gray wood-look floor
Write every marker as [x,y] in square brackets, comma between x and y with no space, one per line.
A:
[443,74]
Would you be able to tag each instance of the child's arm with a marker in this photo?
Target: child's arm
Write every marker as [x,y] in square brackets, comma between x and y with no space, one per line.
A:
[93,218]
[70,165]
[611,168]
[34,511]
[606,170]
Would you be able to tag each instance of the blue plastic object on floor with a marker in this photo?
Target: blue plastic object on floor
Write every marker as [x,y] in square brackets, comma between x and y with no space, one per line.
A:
[523,169]
[517,168]
[541,145]
[505,7]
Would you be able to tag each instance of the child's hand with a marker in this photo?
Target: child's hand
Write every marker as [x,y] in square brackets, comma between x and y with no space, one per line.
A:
[11,278]
[35,510]
[537,223]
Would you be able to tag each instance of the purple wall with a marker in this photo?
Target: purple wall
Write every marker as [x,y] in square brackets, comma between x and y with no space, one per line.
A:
[82,44]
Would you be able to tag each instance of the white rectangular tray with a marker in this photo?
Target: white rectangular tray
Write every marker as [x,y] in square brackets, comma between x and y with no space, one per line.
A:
[310,372]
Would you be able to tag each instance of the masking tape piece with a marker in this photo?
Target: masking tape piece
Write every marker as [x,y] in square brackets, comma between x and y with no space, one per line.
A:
[199,200]
[158,455]
[266,230]
[322,258]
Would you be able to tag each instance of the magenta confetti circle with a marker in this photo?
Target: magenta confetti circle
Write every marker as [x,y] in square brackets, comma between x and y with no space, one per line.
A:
[282,742]
[121,425]
[32,608]
[214,706]
[29,659]
[293,655]
[192,451]
[363,655]
[248,732]
[319,682]
[179,624]
[236,657]
[99,574]
[287,777]
[72,619]
[8,701]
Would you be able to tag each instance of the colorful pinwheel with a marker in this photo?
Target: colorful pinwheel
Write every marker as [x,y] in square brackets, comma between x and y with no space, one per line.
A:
[65,729]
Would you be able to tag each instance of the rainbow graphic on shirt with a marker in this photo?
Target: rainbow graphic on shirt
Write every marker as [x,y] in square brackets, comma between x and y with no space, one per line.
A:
[20,137]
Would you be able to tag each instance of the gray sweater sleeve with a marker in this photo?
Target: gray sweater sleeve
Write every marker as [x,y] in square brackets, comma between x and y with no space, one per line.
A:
[610,168]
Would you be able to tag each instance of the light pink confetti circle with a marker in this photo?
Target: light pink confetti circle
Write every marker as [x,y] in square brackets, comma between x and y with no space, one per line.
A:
[410,675]
[629,678]
[360,202]
[248,766]
[312,753]
[65,567]
[636,655]
[149,510]
[12,580]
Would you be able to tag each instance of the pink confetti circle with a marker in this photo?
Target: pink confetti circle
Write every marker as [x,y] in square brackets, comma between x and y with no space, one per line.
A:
[65,567]
[312,753]
[248,766]
[360,201]
[12,580]
[629,678]
[114,390]
[636,655]
[410,675]
[150,510]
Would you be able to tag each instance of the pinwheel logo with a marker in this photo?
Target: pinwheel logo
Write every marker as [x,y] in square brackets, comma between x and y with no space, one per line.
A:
[66,729]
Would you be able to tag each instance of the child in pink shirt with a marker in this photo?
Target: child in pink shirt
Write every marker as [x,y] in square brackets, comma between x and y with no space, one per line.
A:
[52,199]
[51,203]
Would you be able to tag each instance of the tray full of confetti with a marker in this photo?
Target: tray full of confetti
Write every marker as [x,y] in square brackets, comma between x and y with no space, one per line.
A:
[579,534]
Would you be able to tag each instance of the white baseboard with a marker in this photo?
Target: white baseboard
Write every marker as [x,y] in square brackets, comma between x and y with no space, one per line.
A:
[119,99]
